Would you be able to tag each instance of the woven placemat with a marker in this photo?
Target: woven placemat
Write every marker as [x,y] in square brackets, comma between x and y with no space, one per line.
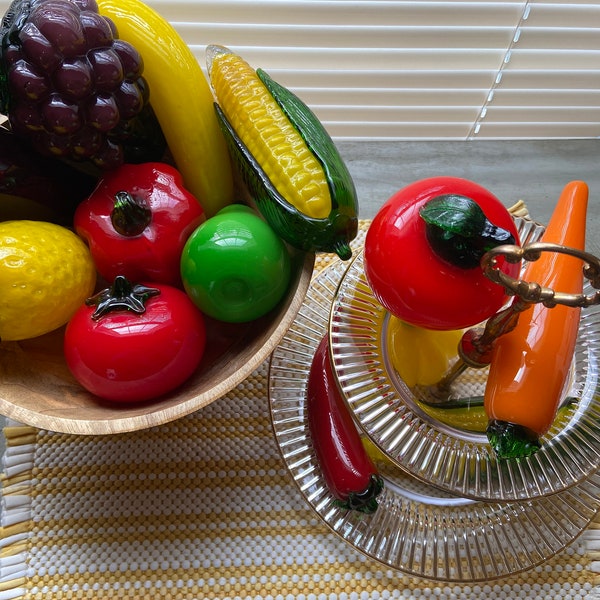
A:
[204,508]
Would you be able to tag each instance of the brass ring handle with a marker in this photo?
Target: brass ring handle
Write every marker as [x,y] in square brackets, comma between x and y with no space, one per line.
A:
[533,292]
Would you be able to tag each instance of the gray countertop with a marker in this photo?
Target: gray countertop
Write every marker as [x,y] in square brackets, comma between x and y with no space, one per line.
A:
[532,171]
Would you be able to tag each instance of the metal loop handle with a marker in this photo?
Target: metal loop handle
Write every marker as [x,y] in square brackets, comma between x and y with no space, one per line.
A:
[533,292]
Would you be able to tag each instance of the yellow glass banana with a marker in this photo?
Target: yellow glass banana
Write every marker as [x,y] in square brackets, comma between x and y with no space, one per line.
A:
[182,101]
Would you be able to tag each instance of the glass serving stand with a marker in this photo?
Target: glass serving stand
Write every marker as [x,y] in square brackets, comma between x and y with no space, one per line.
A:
[419,529]
[416,429]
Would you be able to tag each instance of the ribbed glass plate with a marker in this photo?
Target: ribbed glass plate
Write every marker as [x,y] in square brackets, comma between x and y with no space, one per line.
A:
[450,457]
[417,529]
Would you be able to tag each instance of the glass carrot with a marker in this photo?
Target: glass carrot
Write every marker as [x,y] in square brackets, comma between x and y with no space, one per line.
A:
[530,364]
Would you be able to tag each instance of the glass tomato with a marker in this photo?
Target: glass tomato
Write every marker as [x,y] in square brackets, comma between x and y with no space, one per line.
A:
[137,221]
[131,343]
[425,270]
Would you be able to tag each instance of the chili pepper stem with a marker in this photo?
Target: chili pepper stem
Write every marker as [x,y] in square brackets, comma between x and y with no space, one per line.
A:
[365,501]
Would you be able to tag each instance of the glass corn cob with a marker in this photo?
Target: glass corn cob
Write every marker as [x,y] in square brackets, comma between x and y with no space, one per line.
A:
[294,172]
[269,136]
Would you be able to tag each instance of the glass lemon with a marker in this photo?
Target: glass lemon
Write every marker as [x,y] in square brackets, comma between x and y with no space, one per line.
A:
[46,273]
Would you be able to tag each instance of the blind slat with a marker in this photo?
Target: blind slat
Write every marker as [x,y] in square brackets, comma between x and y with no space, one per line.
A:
[549,98]
[392,97]
[553,60]
[336,13]
[361,61]
[551,130]
[449,98]
[431,79]
[407,114]
[550,80]
[382,37]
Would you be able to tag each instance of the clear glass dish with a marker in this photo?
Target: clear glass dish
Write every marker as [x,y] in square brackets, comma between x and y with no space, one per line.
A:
[453,458]
[418,529]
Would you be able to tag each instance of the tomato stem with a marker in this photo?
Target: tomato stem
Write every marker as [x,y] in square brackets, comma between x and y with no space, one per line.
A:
[130,215]
[121,295]
[458,230]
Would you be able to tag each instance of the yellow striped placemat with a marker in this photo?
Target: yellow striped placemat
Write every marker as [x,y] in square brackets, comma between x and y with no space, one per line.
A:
[204,508]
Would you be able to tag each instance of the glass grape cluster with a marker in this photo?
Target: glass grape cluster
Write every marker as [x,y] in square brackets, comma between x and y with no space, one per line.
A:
[70,85]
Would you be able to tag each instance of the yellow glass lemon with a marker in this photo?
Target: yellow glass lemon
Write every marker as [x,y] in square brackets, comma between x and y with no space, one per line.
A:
[46,273]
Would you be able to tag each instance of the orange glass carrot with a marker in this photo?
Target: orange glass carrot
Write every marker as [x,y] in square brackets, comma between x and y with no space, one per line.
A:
[530,364]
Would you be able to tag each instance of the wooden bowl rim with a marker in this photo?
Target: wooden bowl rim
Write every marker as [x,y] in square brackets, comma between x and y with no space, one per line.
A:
[154,414]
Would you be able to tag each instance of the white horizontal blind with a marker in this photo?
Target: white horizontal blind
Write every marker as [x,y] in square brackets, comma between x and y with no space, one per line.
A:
[416,70]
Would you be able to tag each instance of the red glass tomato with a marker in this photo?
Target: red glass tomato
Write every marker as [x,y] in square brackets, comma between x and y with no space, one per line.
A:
[416,283]
[131,343]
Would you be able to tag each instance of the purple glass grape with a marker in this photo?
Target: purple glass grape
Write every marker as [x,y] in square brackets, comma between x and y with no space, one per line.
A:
[72,87]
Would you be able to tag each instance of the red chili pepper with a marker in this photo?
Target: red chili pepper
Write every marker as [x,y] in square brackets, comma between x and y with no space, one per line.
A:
[347,469]
[137,221]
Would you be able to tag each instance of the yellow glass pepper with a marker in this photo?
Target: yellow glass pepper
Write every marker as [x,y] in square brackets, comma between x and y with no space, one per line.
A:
[421,356]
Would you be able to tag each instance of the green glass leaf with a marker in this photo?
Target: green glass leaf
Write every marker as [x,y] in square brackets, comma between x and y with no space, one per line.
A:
[454,214]
[458,230]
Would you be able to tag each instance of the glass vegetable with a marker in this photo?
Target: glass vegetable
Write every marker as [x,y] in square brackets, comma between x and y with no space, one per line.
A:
[137,221]
[530,364]
[421,356]
[293,170]
[347,468]
[439,284]
[133,342]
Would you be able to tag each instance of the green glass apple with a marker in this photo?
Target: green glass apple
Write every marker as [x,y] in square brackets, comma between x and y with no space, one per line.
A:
[234,266]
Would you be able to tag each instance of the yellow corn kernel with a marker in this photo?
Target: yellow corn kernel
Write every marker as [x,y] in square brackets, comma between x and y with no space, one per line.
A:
[269,135]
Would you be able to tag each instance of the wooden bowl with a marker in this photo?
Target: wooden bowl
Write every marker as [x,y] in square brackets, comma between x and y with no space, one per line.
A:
[37,389]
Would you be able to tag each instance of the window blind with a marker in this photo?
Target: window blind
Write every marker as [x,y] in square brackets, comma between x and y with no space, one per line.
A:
[407,70]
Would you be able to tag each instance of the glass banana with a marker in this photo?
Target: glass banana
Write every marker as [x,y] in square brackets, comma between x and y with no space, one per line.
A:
[182,101]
